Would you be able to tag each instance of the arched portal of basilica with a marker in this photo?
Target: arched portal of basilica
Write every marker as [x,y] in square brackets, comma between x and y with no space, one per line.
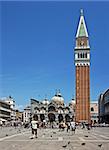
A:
[51,117]
[60,118]
[42,117]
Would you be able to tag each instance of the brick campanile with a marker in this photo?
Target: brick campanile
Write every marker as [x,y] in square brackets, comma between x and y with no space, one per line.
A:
[82,72]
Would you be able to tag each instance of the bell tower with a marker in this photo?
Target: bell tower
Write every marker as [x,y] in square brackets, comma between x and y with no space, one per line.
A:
[82,72]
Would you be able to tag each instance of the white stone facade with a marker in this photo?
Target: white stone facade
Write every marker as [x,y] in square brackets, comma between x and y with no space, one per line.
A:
[94,111]
[54,110]
[11,101]
[26,114]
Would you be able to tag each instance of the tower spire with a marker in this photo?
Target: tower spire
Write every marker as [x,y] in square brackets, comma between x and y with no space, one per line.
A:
[82,30]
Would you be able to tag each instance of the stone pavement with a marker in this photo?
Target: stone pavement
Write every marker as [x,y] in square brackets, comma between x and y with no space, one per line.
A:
[4,131]
[53,139]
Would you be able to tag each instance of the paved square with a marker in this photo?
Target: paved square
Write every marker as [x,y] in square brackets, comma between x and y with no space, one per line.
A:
[53,139]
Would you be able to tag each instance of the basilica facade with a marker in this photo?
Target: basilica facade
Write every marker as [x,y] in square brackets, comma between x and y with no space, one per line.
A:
[54,110]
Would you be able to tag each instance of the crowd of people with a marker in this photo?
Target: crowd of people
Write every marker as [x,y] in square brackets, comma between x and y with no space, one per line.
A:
[68,126]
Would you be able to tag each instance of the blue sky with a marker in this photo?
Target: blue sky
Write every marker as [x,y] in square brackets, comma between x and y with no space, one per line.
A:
[37,48]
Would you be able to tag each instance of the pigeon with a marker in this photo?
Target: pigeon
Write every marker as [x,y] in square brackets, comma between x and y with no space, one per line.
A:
[68,142]
[19,131]
[6,134]
[100,145]
[51,135]
[86,135]
[64,146]
[83,143]
[88,132]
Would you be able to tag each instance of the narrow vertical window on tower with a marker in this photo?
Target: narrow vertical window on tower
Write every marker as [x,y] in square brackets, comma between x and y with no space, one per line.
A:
[85,55]
[82,67]
[81,55]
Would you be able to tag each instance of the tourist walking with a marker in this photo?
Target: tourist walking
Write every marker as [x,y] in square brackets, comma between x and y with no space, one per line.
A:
[73,126]
[34,126]
[68,126]
[83,125]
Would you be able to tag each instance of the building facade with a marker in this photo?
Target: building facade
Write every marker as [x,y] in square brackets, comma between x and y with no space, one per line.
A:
[82,71]
[19,116]
[5,111]
[11,101]
[54,110]
[94,111]
[27,114]
[103,104]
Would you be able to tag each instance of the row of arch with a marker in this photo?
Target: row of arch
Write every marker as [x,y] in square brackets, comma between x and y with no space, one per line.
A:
[51,108]
[82,55]
[52,117]
[82,64]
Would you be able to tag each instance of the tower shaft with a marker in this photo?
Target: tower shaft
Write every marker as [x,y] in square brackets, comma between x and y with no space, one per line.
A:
[82,94]
[82,72]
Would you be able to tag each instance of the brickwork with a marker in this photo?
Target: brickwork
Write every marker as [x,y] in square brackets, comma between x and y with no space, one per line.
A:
[82,94]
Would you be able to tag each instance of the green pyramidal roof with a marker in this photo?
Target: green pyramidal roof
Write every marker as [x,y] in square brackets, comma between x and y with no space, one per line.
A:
[82,31]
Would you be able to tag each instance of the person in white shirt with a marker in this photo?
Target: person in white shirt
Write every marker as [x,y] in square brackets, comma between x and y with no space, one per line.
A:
[34,126]
[73,126]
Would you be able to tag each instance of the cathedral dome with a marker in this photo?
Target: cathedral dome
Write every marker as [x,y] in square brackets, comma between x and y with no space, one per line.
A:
[45,102]
[72,103]
[58,99]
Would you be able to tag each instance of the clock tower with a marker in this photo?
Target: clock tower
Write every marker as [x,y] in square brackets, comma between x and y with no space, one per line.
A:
[82,72]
